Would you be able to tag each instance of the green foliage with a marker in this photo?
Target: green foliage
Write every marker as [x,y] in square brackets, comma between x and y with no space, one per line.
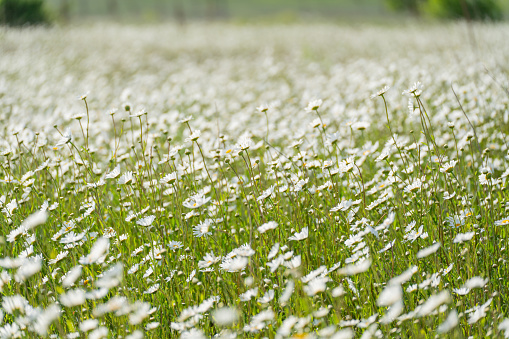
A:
[22,12]
[468,9]
[411,6]
[451,9]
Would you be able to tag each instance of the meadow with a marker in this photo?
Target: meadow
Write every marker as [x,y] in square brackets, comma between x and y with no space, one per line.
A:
[254,181]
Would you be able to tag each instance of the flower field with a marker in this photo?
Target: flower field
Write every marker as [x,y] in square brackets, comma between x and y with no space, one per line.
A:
[251,181]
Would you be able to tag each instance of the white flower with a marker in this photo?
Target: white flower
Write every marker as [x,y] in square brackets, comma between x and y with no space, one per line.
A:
[208,260]
[98,250]
[28,269]
[99,333]
[126,178]
[316,286]
[146,221]
[267,297]
[186,119]
[287,293]
[414,186]
[114,173]
[262,108]
[433,302]
[502,222]
[267,226]
[462,237]
[195,135]
[416,89]
[44,320]
[352,269]
[66,137]
[88,325]
[245,143]
[428,250]
[475,282]
[246,296]
[314,105]
[196,201]
[303,234]
[73,298]
[479,312]
[380,92]
[169,178]
[448,166]
[360,125]
[70,277]
[390,295]
[234,265]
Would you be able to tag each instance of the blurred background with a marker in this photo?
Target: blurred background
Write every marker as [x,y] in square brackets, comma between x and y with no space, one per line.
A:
[26,12]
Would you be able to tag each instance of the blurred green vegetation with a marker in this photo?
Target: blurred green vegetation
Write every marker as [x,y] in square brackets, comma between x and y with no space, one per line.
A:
[278,11]
[22,12]
[468,9]
[238,10]
[452,9]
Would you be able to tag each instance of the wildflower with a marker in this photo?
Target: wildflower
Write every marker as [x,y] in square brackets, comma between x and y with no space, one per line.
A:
[448,166]
[203,228]
[475,282]
[44,319]
[391,294]
[287,293]
[502,222]
[195,135]
[114,173]
[462,237]
[126,178]
[416,89]
[392,312]
[303,234]
[10,304]
[186,119]
[175,245]
[112,277]
[88,325]
[66,138]
[383,155]
[98,250]
[414,186]
[353,269]
[246,296]
[433,302]
[152,289]
[73,298]
[196,201]
[316,286]
[380,92]
[314,105]
[267,297]
[234,265]
[245,143]
[70,277]
[360,125]
[455,221]
[146,221]
[267,193]
[267,226]
[169,178]
[28,269]
[479,312]
[428,250]
[262,108]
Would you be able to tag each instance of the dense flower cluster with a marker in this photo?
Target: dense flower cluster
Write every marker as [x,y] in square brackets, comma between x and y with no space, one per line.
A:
[282,182]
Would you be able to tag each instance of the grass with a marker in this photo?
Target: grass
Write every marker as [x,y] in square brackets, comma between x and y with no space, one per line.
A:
[266,184]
